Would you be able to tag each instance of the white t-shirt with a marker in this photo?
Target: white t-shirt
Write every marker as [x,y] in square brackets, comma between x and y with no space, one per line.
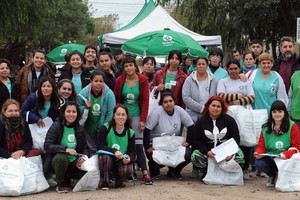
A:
[228,85]
[160,122]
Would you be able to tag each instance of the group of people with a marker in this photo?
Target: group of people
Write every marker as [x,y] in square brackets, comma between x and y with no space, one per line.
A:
[102,103]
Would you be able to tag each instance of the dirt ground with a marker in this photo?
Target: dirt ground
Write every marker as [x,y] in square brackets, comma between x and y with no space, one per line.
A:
[165,188]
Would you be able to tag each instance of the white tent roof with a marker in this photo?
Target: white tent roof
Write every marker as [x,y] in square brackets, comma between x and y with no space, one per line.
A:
[158,19]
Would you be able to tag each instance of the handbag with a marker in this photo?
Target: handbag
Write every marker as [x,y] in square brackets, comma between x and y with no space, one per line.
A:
[153,101]
[288,179]
[224,172]
[168,150]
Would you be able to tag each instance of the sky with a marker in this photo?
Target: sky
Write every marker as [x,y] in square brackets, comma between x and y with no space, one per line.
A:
[126,9]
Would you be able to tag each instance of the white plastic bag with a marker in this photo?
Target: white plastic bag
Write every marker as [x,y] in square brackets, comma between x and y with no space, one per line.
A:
[39,134]
[168,150]
[22,176]
[11,177]
[153,102]
[288,179]
[34,179]
[249,122]
[91,178]
[224,172]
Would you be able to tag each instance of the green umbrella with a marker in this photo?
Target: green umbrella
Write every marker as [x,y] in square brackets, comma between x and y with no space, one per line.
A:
[160,43]
[58,53]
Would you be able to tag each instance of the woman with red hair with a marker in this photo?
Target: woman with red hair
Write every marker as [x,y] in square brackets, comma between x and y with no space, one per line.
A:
[205,136]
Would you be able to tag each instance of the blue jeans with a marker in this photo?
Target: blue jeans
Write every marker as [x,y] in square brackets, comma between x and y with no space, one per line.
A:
[267,165]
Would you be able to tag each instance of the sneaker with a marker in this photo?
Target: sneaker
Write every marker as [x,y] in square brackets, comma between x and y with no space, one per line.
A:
[271,182]
[246,175]
[147,179]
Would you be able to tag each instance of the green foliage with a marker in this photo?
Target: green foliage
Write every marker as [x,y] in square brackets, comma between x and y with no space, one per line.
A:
[239,21]
[27,25]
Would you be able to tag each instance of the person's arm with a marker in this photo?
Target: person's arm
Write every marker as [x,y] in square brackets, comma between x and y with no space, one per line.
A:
[261,148]
[27,106]
[52,143]
[189,135]
[131,148]
[4,153]
[111,103]
[101,139]
[295,142]
[196,106]
[27,140]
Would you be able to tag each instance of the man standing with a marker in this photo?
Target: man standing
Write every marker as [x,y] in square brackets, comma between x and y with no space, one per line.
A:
[288,62]
[237,55]
[256,46]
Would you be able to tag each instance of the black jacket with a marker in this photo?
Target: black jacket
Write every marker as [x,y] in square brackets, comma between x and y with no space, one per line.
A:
[85,76]
[26,145]
[53,138]
[4,93]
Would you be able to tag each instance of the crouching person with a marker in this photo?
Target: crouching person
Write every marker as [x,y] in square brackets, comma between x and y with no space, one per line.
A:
[116,146]
[65,143]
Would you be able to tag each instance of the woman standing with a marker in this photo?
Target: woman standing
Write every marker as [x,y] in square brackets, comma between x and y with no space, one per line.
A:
[100,101]
[106,65]
[64,142]
[212,129]
[132,90]
[41,104]
[116,137]
[171,77]
[268,85]
[236,92]
[249,62]
[277,136]
[167,118]
[15,137]
[79,76]
[149,64]
[8,88]
[199,86]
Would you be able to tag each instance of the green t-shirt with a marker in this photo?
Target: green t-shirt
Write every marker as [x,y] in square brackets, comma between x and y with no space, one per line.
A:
[45,110]
[116,141]
[275,144]
[170,77]
[295,100]
[69,140]
[94,115]
[131,98]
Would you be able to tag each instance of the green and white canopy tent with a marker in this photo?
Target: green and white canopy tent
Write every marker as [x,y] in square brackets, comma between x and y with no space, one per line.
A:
[153,17]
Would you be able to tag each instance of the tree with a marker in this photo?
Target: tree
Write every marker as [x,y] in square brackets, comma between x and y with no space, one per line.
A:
[27,25]
[239,21]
